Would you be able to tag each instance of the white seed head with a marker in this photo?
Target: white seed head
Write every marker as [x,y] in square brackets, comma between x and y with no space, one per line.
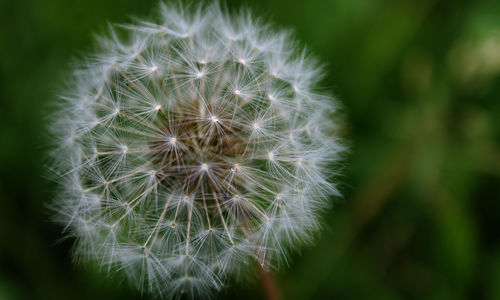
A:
[176,152]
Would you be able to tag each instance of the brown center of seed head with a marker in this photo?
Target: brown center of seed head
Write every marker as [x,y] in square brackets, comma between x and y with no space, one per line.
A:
[197,148]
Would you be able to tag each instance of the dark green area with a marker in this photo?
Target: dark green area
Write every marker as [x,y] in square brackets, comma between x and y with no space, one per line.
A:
[420,85]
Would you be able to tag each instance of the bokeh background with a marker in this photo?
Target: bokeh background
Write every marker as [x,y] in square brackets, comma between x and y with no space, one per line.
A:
[420,86]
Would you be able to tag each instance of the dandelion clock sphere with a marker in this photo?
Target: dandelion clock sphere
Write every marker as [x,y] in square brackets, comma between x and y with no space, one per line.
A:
[192,150]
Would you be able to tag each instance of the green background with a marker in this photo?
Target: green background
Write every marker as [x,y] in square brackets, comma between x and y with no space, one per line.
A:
[420,86]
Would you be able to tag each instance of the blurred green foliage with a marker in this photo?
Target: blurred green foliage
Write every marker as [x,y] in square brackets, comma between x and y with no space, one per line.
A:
[420,86]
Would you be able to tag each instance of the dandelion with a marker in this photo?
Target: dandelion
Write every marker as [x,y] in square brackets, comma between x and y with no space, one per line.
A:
[193,149]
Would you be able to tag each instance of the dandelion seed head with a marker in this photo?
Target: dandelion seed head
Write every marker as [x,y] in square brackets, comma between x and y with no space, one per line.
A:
[198,144]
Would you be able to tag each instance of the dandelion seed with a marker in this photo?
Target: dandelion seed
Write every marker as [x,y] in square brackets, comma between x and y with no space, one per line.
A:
[270,155]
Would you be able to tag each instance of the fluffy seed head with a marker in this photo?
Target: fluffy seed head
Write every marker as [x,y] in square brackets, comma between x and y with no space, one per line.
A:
[192,149]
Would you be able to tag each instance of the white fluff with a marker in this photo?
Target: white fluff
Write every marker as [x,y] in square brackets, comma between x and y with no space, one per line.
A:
[193,149]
